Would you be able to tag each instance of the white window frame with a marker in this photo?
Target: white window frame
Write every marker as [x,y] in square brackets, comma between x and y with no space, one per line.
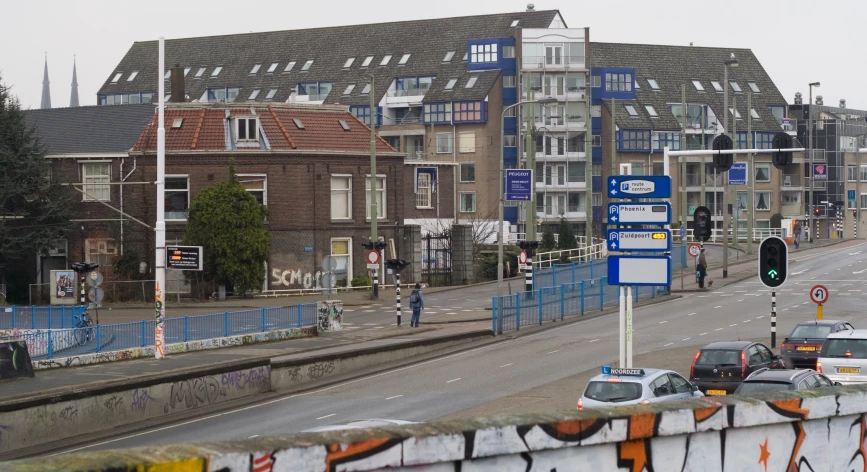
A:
[178,176]
[756,200]
[450,146]
[461,202]
[380,209]
[367,61]
[510,140]
[289,67]
[348,63]
[245,120]
[863,201]
[851,172]
[92,184]
[462,147]
[256,178]
[424,195]
[347,256]
[385,60]
[347,191]
[698,86]
[461,172]
[255,69]
[762,164]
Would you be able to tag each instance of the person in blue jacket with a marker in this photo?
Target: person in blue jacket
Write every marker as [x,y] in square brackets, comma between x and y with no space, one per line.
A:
[416,302]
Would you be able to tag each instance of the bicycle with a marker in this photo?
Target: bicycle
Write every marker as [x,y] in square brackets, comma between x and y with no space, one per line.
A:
[83,328]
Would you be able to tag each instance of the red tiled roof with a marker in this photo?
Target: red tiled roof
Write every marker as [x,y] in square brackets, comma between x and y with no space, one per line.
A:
[204,129]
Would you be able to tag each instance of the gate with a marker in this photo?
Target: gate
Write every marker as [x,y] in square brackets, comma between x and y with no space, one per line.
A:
[436,257]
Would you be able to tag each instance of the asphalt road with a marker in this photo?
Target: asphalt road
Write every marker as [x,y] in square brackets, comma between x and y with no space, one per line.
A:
[496,377]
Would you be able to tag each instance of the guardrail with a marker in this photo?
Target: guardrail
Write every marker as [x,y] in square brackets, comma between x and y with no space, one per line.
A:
[111,337]
[510,312]
[39,317]
[717,234]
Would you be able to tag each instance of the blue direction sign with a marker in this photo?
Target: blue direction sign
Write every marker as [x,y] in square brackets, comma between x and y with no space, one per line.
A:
[639,270]
[519,184]
[635,186]
[738,174]
[639,240]
[658,213]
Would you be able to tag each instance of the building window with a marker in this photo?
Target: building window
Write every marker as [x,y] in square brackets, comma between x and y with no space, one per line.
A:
[597,199]
[596,140]
[663,139]
[754,87]
[508,52]
[247,129]
[864,201]
[307,65]
[653,84]
[863,173]
[451,84]
[348,63]
[348,89]
[763,200]
[717,86]
[764,140]
[449,56]
[315,91]
[341,197]
[444,143]
[851,172]
[595,111]
[217,71]
[289,67]
[95,177]
[471,82]
[735,86]
[510,112]
[126,98]
[631,110]
[385,60]
[380,197]
[271,94]
[403,59]
[468,172]
[221,95]
[341,251]
[596,81]
[735,112]
[438,113]
[635,140]
[424,190]
[256,184]
[117,77]
[363,114]
[483,53]
[510,140]
[651,111]
[577,172]
[467,141]
[468,202]
[254,94]
[199,73]
[698,86]
[255,69]
[754,113]
[763,172]
[509,81]
[102,252]
[658,168]
[272,67]
[618,82]
[468,111]
[177,199]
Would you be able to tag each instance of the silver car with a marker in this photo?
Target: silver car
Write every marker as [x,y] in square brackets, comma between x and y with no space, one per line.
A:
[844,357]
[628,386]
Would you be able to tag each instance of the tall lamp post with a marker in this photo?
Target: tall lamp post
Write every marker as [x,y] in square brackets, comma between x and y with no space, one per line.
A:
[810,150]
[732,62]
[502,197]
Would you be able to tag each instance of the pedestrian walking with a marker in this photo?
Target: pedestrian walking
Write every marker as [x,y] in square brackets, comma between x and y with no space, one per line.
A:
[416,302]
[702,270]
[797,230]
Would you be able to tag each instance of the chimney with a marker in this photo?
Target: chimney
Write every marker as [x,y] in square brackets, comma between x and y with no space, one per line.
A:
[531,7]
[179,91]
[799,100]
[818,100]
[843,103]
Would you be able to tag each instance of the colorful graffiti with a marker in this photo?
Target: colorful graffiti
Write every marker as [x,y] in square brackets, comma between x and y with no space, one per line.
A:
[159,331]
[289,278]
[330,315]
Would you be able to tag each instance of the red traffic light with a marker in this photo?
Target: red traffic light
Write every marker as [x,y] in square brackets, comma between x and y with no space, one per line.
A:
[854,212]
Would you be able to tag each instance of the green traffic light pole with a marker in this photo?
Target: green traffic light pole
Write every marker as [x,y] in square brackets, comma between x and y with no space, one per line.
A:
[773,263]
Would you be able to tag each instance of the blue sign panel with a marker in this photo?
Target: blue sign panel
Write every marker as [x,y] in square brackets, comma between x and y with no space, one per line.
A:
[738,174]
[639,270]
[639,240]
[658,213]
[850,195]
[519,184]
[635,186]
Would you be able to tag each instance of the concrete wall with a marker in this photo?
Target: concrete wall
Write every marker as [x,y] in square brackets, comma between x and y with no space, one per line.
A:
[813,430]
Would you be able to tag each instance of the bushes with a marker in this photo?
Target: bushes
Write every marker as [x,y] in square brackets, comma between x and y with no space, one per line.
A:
[361,281]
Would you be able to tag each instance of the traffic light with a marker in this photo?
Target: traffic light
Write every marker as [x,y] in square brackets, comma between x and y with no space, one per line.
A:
[816,211]
[855,213]
[529,246]
[782,140]
[773,262]
[370,245]
[396,265]
[701,223]
[723,162]
[84,267]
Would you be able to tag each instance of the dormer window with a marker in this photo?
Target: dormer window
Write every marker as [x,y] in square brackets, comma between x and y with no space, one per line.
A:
[247,128]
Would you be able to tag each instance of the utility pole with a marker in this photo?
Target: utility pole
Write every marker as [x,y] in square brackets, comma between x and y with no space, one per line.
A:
[530,147]
[751,174]
[734,63]
[810,150]
[703,172]
[160,227]
[732,216]
[374,238]
[614,144]
[588,169]
[683,204]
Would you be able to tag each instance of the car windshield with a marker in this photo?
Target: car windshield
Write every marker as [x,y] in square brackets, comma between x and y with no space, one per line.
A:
[719,357]
[613,391]
[856,348]
[811,332]
[753,387]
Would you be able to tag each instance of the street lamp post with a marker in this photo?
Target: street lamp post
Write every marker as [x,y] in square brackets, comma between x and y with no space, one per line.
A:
[502,197]
[733,63]
[810,150]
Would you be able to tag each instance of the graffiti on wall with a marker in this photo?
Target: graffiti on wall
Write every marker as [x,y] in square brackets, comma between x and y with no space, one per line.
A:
[297,278]
[330,315]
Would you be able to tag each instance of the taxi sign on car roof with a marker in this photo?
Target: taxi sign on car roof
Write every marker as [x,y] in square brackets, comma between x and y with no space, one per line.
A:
[607,370]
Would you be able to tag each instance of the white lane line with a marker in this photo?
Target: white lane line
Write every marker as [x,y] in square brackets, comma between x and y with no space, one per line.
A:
[727,295]
[392,398]
[592,340]
[369,324]
[453,380]
[735,324]
[669,344]
[702,296]
[760,317]
[854,290]
[846,285]
[466,310]
[801,272]
[552,352]
[702,334]
[718,306]
[741,300]
[747,321]
[826,273]
[256,435]
[690,314]
[719,329]
[740,291]
[785,309]
[506,365]
[860,271]
[661,322]
[451,313]
[686,339]
[326,416]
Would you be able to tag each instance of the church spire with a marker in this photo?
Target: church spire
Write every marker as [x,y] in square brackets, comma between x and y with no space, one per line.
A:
[73,99]
[46,91]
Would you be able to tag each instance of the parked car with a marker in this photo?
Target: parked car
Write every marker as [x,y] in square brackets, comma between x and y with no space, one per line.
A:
[801,348]
[358,424]
[719,368]
[628,386]
[844,357]
[767,380]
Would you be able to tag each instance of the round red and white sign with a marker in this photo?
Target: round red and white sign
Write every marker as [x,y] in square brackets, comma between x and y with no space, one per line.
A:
[522,258]
[693,249]
[819,294]
[372,257]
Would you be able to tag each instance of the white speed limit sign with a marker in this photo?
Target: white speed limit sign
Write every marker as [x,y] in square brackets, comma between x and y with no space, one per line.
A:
[819,294]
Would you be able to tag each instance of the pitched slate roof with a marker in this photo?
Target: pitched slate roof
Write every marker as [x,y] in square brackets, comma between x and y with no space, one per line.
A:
[427,41]
[673,66]
[204,128]
[90,129]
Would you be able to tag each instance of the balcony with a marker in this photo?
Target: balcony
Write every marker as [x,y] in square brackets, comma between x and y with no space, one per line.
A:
[414,154]
[405,97]
[789,125]
[817,184]
[553,62]
[792,182]
[792,210]
[310,97]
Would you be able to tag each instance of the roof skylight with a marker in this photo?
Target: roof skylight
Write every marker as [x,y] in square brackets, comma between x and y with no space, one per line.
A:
[451,83]
[384,61]
[754,113]
[168,74]
[117,77]
[651,111]
[271,94]
[366,88]
[698,85]
[289,66]
[217,71]
[403,59]
[735,112]
[366,61]
[754,87]
[254,94]
[465,56]
[132,76]
[348,62]
[255,68]
[349,89]
[717,86]
[177,123]
[272,67]
[653,84]
[187,70]
[515,23]
[200,72]
[735,86]
[472,81]
[449,56]
[298,123]
[307,65]
[631,110]
[343,125]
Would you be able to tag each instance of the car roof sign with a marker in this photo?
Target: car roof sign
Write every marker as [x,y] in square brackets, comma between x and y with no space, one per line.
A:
[607,370]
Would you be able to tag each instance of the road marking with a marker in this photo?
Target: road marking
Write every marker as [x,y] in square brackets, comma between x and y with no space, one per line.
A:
[256,435]
[860,271]
[369,324]
[764,290]
[661,322]
[507,365]
[727,295]
[451,313]
[740,291]
[392,398]
[719,329]
[733,325]
[453,380]
[854,290]
[702,334]
[718,306]
[746,321]
[741,300]
[690,314]
[669,344]
[785,309]
[592,340]
[826,273]
[854,253]
[552,352]
[378,327]
[466,310]
[686,339]
[801,272]
[846,285]
[326,416]
[702,296]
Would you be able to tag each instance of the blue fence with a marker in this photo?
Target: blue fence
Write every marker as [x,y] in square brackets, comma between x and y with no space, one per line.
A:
[510,312]
[575,272]
[39,317]
[46,344]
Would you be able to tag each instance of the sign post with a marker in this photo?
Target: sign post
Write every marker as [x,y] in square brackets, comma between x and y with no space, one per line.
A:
[819,295]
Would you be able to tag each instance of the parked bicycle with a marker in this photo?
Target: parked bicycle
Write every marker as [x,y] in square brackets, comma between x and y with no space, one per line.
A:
[84,330]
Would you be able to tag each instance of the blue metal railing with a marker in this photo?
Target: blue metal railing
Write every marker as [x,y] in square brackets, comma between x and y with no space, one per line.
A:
[510,312]
[38,317]
[44,343]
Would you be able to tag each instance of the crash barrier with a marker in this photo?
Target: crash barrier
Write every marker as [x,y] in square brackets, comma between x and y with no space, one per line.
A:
[39,317]
[50,343]
[775,431]
[511,312]
[14,360]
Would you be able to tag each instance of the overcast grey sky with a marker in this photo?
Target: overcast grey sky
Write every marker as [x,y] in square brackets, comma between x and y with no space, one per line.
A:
[99,32]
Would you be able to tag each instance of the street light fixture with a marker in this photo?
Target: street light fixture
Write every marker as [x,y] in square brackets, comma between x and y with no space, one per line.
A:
[810,150]
[502,176]
[732,62]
